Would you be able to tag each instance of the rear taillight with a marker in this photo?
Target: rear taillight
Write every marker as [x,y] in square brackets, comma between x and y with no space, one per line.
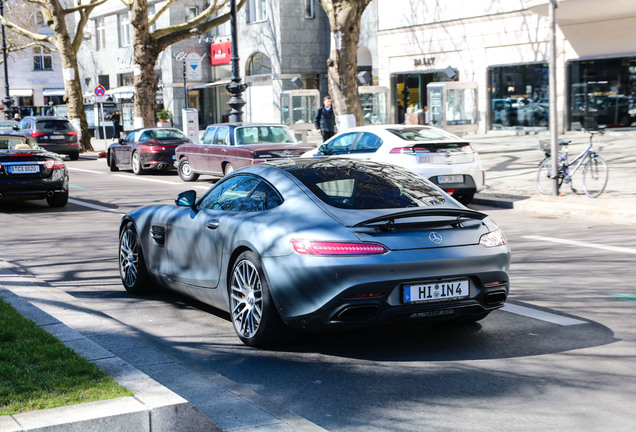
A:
[37,134]
[329,248]
[493,238]
[155,148]
[403,150]
[54,164]
[73,133]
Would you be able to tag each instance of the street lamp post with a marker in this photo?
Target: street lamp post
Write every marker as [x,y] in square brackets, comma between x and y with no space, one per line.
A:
[7,101]
[554,119]
[235,87]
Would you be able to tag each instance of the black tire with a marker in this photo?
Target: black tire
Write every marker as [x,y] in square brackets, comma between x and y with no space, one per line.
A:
[185,171]
[132,265]
[135,163]
[74,156]
[112,165]
[228,169]
[59,199]
[253,313]
[464,197]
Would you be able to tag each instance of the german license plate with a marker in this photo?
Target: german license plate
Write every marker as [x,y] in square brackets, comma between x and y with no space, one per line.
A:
[24,169]
[448,290]
[57,137]
[450,179]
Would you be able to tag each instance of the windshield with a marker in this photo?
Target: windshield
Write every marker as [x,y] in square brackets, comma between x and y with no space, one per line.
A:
[9,143]
[348,184]
[164,133]
[264,135]
[423,134]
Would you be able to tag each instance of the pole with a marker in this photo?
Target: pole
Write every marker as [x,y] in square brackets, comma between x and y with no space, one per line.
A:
[554,127]
[7,101]
[235,87]
[101,108]
[185,85]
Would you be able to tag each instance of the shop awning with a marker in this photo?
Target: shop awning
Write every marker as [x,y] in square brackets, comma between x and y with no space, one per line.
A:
[53,92]
[21,92]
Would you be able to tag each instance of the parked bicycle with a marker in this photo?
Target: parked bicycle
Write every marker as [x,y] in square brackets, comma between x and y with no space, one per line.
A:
[595,171]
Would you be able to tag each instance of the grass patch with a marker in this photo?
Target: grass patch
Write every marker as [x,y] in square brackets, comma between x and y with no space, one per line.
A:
[37,371]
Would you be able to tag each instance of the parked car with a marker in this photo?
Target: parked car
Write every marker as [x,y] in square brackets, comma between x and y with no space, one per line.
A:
[313,244]
[146,149]
[446,160]
[30,173]
[226,147]
[7,126]
[54,134]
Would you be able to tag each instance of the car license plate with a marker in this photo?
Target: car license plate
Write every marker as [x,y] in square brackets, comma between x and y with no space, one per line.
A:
[24,169]
[450,179]
[57,137]
[448,290]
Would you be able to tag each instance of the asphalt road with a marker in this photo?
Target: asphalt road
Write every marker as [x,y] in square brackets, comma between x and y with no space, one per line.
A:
[559,357]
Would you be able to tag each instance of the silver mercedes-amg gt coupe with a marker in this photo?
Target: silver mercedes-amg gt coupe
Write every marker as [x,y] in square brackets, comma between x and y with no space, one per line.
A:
[305,244]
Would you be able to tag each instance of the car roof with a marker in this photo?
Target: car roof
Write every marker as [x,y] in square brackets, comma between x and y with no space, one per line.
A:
[38,118]
[241,124]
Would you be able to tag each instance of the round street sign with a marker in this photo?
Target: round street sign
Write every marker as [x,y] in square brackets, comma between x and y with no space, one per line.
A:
[100,90]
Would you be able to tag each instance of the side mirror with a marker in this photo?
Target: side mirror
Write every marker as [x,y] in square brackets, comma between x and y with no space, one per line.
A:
[120,140]
[15,127]
[186,199]
[323,149]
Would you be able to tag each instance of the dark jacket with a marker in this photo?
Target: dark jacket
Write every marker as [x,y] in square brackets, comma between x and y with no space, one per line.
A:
[325,120]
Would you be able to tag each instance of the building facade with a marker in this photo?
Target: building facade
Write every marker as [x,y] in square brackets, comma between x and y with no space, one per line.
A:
[501,47]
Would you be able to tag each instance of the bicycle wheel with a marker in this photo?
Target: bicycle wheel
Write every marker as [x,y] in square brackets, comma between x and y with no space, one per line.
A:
[594,176]
[545,180]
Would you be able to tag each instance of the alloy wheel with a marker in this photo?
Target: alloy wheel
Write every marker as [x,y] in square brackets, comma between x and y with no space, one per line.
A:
[246,299]
[129,258]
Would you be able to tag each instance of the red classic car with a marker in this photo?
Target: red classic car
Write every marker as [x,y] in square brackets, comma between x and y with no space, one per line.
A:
[226,147]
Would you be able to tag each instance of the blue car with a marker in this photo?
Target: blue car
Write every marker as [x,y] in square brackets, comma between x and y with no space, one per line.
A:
[317,244]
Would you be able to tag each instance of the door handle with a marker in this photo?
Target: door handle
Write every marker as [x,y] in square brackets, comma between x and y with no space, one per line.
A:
[212,224]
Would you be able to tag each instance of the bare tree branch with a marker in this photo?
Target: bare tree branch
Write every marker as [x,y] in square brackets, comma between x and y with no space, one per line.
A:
[157,14]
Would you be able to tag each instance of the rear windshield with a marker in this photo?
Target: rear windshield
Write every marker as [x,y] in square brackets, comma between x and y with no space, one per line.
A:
[56,125]
[423,134]
[349,185]
[163,133]
[264,135]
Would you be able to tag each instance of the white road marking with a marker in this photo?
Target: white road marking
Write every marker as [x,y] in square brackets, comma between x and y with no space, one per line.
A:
[154,180]
[541,315]
[583,244]
[94,206]
[85,170]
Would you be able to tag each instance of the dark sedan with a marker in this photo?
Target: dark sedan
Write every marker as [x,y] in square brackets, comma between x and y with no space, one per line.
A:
[30,173]
[301,244]
[226,147]
[146,149]
[54,134]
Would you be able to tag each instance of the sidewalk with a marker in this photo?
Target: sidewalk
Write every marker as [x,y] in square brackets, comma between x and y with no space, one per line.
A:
[511,162]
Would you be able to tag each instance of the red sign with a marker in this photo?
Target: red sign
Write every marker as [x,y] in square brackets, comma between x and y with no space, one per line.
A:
[220,53]
[100,90]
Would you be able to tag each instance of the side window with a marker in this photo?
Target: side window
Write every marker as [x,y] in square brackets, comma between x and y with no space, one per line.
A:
[145,136]
[263,197]
[24,124]
[207,136]
[368,143]
[342,144]
[221,137]
[230,194]
[130,137]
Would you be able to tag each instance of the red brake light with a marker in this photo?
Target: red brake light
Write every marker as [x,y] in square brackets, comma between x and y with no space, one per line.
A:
[37,134]
[155,148]
[402,150]
[53,164]
[329,248]
[73,133]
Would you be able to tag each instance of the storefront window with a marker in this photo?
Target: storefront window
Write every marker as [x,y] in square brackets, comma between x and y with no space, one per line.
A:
[602,93]
[410,97]
[519,96]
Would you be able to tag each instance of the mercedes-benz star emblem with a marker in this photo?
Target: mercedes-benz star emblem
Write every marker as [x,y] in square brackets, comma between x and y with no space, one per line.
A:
[435,237]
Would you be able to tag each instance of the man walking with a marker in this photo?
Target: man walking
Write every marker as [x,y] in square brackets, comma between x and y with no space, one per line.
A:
[325,120]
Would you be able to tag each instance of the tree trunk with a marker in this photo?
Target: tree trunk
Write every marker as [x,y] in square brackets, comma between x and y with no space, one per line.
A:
[145,57]
[344,19]
[72,84]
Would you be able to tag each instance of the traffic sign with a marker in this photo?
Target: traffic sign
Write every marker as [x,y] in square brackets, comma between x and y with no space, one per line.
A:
[193,67]
[100,90]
